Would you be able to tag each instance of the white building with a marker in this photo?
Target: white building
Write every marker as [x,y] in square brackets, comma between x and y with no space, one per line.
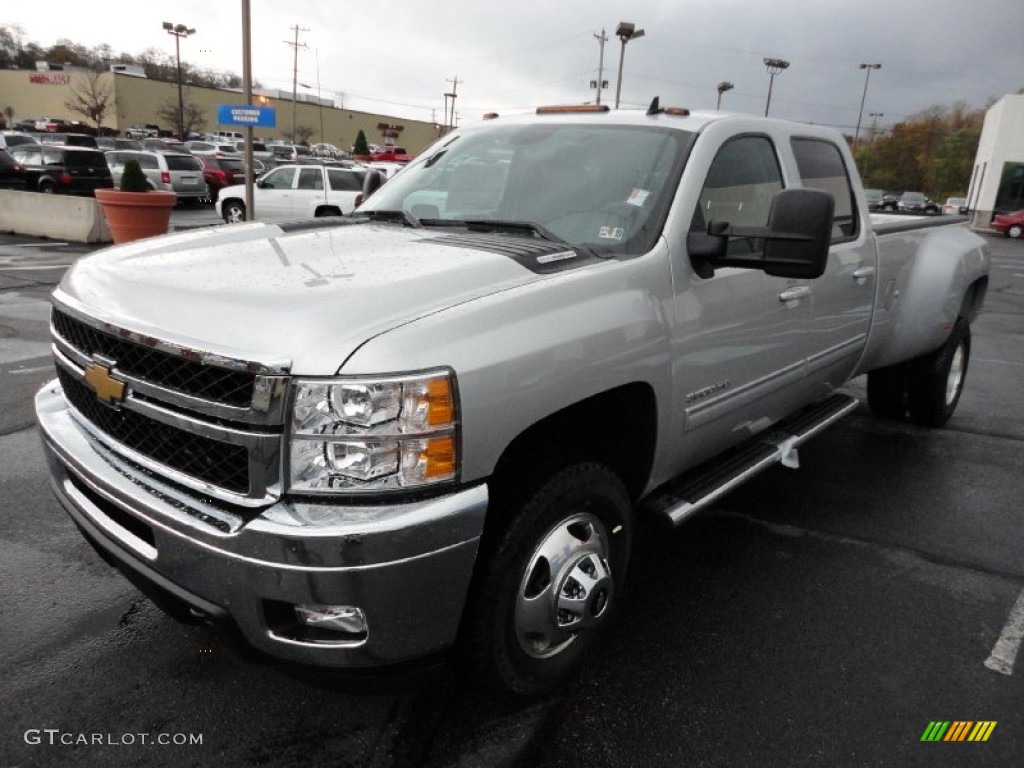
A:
[997,183]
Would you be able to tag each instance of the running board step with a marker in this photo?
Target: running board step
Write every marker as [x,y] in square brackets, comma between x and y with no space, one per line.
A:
[701,486]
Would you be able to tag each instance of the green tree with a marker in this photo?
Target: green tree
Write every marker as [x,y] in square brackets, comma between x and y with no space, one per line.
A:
[360,147]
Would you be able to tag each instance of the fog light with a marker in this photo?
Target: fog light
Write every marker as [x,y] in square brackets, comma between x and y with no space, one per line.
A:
[340,618]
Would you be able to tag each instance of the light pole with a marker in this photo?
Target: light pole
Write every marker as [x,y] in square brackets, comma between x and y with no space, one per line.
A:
[179,31]
[723,86]
[775,66]
[863,96]
[626,32]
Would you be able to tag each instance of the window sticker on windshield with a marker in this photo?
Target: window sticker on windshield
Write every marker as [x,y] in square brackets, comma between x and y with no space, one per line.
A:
[638,197]
[611,233]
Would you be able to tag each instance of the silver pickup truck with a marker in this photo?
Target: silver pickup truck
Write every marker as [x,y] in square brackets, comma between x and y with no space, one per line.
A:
[359,441]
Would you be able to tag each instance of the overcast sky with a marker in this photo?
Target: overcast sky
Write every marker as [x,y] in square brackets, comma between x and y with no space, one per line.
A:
[510,57]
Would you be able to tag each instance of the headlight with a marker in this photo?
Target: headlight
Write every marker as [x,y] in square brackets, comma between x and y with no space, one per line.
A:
[366,434]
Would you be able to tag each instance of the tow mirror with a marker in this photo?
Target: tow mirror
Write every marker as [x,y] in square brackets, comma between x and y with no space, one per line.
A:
[374,180]
[796,240]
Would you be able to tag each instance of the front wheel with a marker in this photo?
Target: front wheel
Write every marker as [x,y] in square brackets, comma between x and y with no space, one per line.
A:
[552,581]
[48,188]
[234,212]
[1015,231]
[937,380]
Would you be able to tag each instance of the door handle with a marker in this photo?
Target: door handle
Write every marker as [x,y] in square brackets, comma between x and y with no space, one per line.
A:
[861,274]
[795,293]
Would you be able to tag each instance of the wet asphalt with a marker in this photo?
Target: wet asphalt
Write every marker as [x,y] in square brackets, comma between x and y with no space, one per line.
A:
[819,616]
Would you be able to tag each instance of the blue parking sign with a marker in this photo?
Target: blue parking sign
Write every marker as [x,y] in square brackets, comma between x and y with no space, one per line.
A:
[244,114]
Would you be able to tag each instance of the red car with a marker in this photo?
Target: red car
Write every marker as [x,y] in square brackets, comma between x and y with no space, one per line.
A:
[220,172]
[1010,224]
[392,155]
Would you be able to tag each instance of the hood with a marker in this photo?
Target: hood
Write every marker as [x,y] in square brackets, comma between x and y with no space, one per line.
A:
[258,292]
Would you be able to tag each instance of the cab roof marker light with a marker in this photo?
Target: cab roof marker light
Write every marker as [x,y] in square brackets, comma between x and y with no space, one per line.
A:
[572,109]
[677,111]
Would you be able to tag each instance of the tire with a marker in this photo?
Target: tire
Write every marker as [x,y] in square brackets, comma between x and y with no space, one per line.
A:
[549,584]
[936,380]
[234,211]
[887,392]
[47,187]
[1015,231]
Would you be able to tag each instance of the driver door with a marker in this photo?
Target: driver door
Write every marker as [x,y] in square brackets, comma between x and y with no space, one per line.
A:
[740,337]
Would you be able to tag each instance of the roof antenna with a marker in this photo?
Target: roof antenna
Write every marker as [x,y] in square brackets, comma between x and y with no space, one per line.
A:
[654,109]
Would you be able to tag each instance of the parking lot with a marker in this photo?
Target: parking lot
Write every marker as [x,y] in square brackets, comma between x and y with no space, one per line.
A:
[819,616]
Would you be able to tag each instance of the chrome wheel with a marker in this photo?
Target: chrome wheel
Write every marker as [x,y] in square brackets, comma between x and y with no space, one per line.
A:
[1015,231]
[567,587]
[956,374]
[234,212]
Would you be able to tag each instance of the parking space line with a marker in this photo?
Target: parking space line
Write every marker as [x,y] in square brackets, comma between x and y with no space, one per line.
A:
[1005,651]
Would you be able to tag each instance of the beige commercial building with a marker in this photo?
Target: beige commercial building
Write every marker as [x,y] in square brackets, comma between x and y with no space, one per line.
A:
[35,94]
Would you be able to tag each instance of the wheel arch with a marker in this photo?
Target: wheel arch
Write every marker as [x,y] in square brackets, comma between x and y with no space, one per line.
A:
[617,428]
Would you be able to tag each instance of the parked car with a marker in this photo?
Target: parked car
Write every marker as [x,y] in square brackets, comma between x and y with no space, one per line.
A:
[1009,224]
[143,131]
[107,143]
[12,173]
[288,153]
[68,170]
[295,192]
[10,139]
[216,149]
[391,155]
[69,139]
[890,200]
[180,173]
[163,145]
[916,202]
[875,198]
[954,206]
[325,150]
[221,172]
[51,124]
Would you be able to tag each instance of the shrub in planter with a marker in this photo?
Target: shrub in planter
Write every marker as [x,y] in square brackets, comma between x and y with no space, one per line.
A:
[136,210]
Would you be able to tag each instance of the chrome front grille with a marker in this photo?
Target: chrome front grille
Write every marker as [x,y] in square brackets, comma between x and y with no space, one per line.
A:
[234,388]
[214,427]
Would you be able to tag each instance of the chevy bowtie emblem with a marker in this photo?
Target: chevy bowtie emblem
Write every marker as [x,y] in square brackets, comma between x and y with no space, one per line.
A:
[107,388]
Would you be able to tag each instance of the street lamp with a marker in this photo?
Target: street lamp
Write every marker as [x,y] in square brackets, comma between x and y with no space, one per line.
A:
[723,86]
[863,96]
[179,31]
[626,32]
[775,66]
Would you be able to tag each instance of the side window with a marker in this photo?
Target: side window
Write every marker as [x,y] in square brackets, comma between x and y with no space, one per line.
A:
[344,181]
[311,178]
[821,167]
[282,178]
[741,183]
[52,157]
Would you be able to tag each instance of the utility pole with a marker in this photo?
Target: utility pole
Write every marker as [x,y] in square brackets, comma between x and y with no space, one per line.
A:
[601,39]
[295,70]
[452,95]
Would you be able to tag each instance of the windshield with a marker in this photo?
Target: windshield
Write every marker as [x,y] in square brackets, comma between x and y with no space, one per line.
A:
[606,187]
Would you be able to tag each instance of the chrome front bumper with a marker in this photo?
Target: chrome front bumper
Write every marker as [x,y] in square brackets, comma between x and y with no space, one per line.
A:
[406,566]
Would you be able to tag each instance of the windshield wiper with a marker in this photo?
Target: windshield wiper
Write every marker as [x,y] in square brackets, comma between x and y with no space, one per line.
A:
[531,227]
[397,215]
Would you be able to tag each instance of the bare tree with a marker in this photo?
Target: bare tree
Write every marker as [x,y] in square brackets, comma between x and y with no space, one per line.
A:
[303,133]
[193,118]
[90,98]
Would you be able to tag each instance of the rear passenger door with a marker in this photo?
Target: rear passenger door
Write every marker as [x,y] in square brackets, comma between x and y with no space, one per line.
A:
[345,186]
[309,193]
[842,298]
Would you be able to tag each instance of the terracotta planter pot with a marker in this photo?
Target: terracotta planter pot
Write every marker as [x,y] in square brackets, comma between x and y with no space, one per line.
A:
[134,215]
